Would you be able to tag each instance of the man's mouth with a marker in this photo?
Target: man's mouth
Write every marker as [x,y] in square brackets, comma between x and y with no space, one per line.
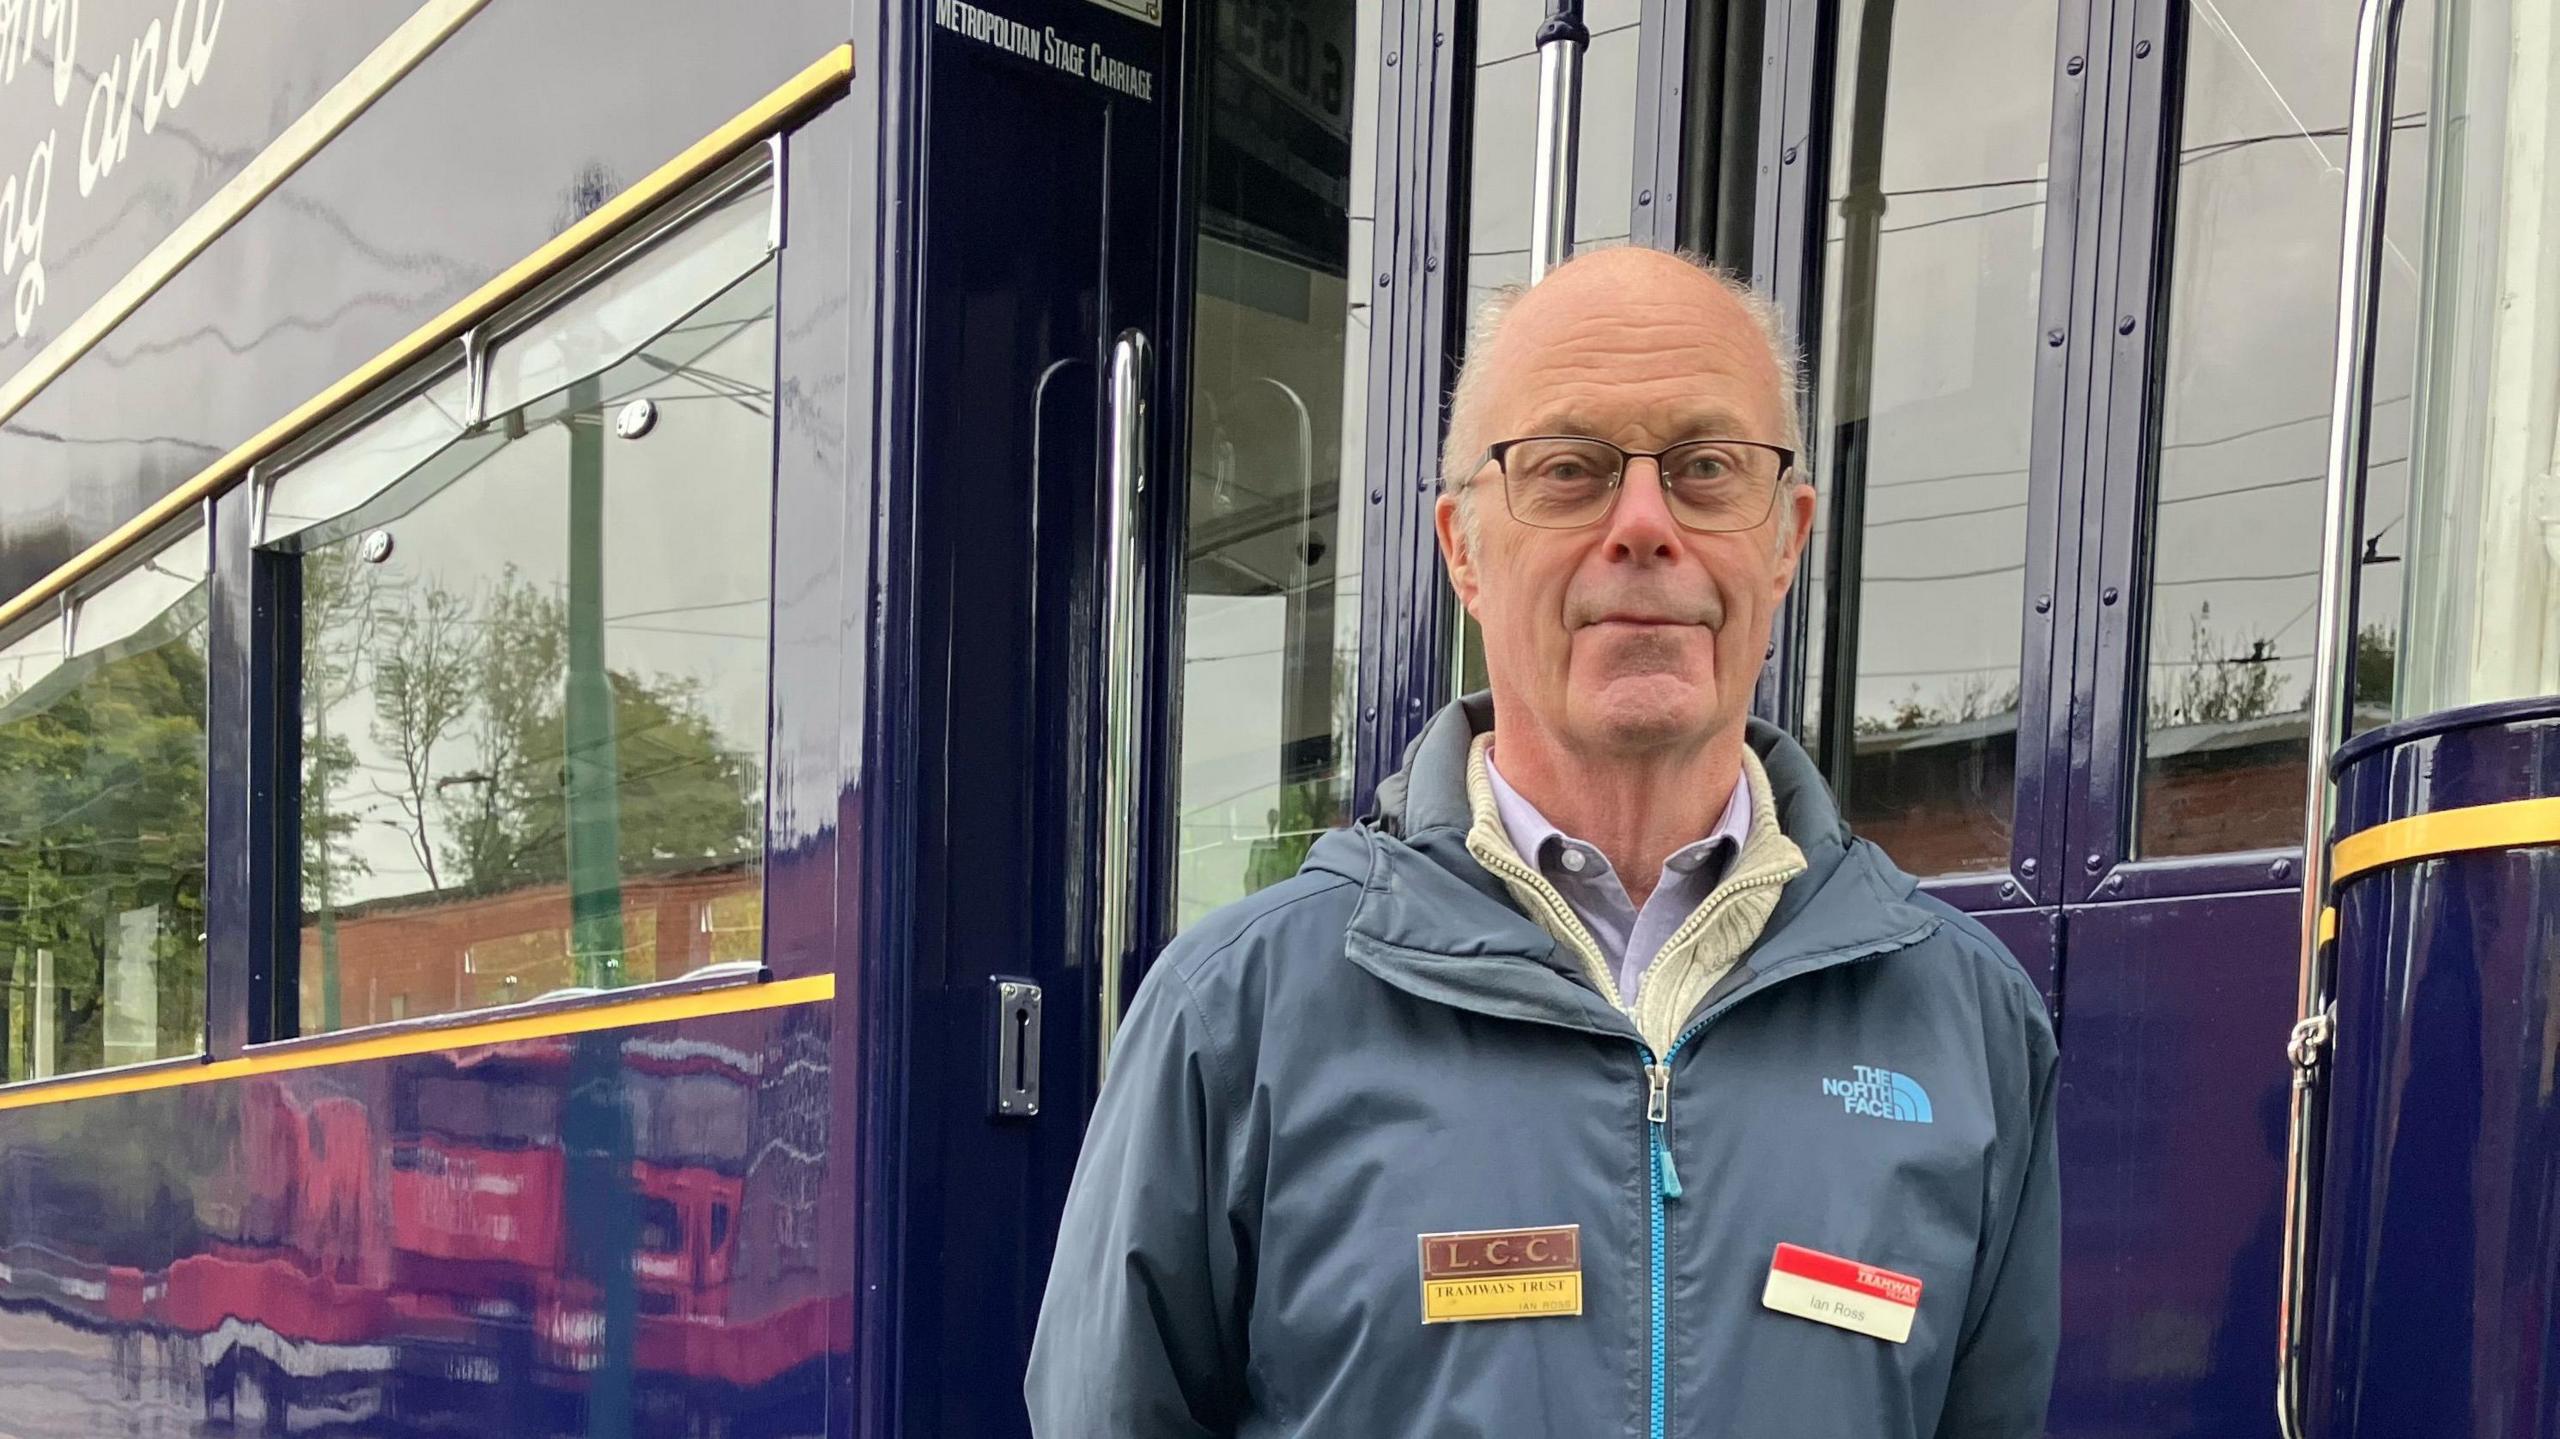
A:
[1651,621]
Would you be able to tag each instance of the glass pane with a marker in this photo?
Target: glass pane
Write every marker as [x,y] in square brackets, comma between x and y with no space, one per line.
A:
[1934,244]
[147,592]
[2237,478]
[102,839]
[365,461]
[1271,603]
[35,653]
[534,695]
[2484,525]
[602,324]
[1503,132]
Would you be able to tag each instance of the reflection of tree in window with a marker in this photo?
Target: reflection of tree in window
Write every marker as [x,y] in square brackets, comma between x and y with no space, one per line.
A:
[102,856]
[533,675]
[479,675]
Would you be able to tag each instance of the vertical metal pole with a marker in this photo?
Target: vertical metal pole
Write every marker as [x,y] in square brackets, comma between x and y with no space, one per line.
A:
[1562,37]
[2332,661]
[593,768]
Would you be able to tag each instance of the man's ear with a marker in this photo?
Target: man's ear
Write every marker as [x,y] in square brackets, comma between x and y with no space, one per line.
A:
[1800,502]
[1453,549]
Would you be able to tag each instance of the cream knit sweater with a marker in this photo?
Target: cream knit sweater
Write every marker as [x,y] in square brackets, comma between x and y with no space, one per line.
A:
[1714,936]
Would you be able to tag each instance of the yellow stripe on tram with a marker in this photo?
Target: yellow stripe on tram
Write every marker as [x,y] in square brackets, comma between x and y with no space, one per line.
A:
[358,1047]
[2514,824]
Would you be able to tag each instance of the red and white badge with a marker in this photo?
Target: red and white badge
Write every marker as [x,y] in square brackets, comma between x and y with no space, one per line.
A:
[1842,1292]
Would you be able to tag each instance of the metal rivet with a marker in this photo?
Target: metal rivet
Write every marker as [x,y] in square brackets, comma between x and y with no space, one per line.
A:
[1377,497]
[375,547]
[2027,867]
[2076,65]
[2053,337]
[1382,279]
[1438,36]
[2142,49]
[1431,262]
[1414,704]
[2108,594]
[1391,57]
[2125,325]
[2044,604]
[1791,154]
[2115,884]
[2281,869]
[2095,863]
[2008,889]
[1370,714]
[637,418]
[1644,197]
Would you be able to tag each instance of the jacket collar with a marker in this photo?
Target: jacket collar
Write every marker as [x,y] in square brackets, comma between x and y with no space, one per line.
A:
[1434,922]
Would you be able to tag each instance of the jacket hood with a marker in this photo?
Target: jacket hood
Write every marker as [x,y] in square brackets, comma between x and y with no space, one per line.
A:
[1434,922]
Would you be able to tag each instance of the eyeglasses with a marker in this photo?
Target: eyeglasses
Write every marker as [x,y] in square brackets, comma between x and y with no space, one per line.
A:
[1565,482]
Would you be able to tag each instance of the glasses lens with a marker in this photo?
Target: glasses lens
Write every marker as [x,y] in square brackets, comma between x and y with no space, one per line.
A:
[1559,484]
[1720,484]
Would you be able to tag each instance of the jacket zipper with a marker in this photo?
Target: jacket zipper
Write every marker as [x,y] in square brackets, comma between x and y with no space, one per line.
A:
[1663,1172]
[1666,1181]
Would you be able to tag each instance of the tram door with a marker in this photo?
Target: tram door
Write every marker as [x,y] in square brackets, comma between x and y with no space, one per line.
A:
[1132,583]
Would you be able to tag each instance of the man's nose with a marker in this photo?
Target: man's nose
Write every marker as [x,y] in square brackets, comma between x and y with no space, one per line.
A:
[1640,526]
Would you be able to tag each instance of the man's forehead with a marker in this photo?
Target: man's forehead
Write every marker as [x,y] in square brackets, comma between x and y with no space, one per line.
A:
[1684,361]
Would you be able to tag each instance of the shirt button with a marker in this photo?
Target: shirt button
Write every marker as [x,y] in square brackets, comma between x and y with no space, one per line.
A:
[1574,861]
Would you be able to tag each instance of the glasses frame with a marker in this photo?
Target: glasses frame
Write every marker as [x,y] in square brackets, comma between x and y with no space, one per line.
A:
[1496,453]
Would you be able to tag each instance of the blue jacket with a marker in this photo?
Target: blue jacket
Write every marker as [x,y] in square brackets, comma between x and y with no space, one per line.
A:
[1384,1047]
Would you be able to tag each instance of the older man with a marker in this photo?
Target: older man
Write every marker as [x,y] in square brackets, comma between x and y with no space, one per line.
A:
[1604,1083]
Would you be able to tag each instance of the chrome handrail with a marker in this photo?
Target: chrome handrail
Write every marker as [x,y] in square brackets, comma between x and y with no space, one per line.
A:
[1561,39]
[1124,657]
[2359,284]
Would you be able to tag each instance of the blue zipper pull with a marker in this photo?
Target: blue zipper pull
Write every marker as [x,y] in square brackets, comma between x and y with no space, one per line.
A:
[1657,1110]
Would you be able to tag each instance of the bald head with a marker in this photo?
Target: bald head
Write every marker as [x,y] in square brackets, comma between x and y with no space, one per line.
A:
[1530,347]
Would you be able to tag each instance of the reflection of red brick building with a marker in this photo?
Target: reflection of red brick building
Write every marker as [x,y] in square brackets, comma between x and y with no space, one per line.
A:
[438,953]
[1938,799]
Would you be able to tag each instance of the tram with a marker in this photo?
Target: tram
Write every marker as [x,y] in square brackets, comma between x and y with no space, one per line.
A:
[623,624]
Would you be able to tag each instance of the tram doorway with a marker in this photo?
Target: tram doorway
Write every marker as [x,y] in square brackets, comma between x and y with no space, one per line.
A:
[1139,369]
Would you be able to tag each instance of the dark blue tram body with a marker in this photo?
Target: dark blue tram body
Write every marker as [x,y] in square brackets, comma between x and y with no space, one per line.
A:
[753,1116]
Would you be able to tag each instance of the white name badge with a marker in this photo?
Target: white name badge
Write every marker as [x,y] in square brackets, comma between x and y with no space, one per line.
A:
[1843,1293]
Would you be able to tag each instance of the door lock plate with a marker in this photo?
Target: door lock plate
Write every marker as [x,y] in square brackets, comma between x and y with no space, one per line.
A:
[1016,1088]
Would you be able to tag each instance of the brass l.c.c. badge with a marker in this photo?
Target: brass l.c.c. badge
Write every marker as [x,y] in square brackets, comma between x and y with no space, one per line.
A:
[1502,1274]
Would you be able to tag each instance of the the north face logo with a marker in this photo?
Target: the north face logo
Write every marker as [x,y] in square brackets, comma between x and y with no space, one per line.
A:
[1880,1094]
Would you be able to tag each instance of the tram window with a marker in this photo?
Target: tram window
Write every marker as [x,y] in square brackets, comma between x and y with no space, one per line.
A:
[102,822]
[533,652]
[1934,230]
[2236,472]
[1502,139]
[1271,601]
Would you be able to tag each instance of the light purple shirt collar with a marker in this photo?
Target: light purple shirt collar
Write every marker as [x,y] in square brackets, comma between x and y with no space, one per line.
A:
[1630,938]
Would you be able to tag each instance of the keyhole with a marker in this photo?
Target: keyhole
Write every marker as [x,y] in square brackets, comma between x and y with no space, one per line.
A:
[1021,1048]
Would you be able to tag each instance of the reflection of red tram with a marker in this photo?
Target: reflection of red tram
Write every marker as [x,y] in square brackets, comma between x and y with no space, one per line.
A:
[420,1251]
